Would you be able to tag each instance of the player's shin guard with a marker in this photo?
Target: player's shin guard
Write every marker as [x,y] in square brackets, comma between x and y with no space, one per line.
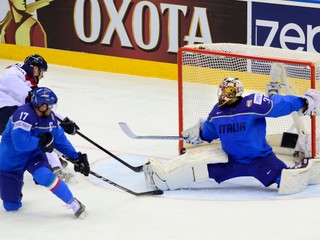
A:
[45,177]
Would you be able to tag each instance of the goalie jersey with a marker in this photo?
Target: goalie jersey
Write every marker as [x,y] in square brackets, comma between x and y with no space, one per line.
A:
[242,127]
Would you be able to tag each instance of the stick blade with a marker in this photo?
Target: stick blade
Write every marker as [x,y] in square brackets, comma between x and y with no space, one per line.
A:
[125,128]
[153,192]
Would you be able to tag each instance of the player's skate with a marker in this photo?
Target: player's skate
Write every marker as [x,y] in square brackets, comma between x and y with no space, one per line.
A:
[63,162]
[66,177]
[78,208]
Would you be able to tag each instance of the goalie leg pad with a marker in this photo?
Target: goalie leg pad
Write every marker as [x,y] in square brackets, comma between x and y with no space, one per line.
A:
[183,170]
[156,176]
[294,180]
[187,175]
[315,171]
[193,166]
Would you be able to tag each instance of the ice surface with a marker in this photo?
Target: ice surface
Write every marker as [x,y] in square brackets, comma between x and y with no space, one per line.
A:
[97,101]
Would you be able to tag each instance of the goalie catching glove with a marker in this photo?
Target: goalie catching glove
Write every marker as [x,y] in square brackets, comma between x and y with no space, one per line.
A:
[81,164]
[192,135]
[313,100]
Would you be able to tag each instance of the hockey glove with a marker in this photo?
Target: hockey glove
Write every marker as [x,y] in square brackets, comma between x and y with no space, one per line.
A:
[46,142]
[192,135]
[313,99]
[69,126]
[81,164]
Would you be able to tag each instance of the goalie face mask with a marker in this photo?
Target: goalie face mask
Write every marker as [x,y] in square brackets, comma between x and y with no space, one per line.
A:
[229,89]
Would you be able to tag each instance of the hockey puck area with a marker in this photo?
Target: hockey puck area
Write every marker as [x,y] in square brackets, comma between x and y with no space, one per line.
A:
[239,189]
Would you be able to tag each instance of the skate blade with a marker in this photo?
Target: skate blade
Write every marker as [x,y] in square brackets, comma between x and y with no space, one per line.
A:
[83,215]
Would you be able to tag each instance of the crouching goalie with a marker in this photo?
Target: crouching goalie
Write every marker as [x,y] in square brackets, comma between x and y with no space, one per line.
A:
[240,124]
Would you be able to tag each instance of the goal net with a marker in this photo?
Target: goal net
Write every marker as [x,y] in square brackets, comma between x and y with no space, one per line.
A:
[202,67]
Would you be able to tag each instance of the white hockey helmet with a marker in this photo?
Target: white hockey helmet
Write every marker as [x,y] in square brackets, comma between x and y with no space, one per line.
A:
[229,89]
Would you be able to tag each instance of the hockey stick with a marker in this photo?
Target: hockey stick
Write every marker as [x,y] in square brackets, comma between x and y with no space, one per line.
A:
[152,192]
[125,128]
[136,169]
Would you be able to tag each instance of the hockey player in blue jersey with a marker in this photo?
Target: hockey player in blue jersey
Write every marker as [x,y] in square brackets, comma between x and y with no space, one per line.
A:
[16,86]
[32,131]
[240,124]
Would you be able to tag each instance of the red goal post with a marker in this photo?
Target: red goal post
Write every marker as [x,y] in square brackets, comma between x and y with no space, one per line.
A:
[202,67]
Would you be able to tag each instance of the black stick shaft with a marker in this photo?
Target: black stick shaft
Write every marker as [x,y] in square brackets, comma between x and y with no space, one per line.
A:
[134,168]
[153,192]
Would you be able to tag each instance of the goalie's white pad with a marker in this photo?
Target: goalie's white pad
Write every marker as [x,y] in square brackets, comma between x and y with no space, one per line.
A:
[297,180]
[185,169]
[294,180]
[315,171]
[313,98]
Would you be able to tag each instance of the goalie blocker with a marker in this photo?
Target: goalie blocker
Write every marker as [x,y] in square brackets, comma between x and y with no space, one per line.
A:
[192,167]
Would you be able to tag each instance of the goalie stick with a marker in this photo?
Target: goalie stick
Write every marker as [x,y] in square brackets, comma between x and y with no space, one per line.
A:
[152,192]
[125,128]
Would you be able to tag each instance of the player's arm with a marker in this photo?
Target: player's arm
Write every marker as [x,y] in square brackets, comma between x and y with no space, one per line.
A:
[208,133]
[15,82]
[284,105]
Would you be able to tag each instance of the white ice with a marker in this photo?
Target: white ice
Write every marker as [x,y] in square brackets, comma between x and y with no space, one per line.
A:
[97,101]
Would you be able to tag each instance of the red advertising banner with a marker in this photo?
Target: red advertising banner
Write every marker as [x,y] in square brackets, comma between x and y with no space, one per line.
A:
[147,30]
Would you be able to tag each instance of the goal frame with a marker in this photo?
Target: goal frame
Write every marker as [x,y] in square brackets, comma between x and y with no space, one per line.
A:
[185,49]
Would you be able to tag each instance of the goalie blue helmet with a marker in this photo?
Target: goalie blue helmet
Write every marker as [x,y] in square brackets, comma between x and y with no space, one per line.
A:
[43,95]
[37,60]
[229,89]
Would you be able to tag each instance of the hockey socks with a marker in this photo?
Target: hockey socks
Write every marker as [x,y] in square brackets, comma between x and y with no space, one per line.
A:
[45,177]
